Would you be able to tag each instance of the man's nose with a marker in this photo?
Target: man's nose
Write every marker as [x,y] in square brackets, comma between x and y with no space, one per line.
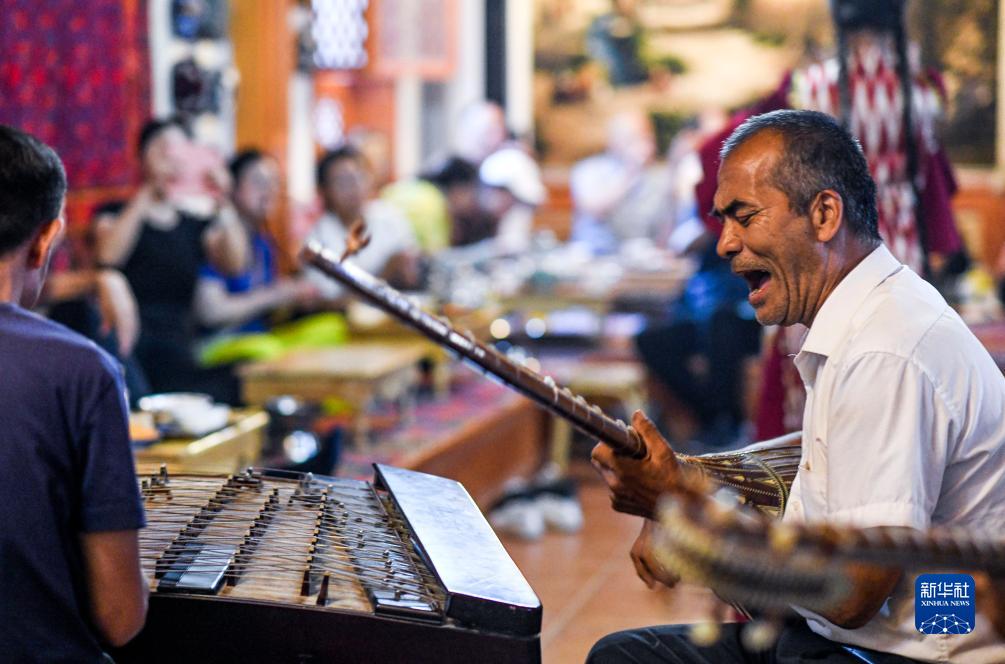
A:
[729,242]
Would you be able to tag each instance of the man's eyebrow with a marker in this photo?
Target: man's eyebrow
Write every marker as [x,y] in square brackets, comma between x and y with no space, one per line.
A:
[730,210]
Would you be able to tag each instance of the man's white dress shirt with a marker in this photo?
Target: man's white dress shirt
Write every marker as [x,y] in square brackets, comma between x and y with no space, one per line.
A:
[904,425]
[390,233]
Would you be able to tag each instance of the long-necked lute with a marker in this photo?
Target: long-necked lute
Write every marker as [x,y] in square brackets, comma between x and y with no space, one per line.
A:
[760,475]
[770,566]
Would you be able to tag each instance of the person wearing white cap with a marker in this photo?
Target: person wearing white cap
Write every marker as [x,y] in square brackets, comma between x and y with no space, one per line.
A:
[480,130]
[512,189]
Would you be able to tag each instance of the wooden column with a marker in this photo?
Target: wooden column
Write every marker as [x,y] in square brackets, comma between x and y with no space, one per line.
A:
[264,53]
[265,57]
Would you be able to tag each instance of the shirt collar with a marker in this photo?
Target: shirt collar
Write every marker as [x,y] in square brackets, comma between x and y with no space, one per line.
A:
[831,323]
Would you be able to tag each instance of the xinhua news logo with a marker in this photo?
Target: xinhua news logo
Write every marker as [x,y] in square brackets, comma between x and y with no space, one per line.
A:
[944,604]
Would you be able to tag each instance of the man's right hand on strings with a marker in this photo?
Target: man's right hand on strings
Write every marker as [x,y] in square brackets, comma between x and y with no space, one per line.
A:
[647,565]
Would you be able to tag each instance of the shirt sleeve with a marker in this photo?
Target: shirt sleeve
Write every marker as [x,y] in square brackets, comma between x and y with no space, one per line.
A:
[110,498]
[328,287]
[888,436]
[207,271]
[401,236]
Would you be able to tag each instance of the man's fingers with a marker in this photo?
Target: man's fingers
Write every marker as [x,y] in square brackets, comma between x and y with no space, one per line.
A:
[668,578]
[619,504]
[610,479]
[646,428]
[643,571]
[638,555]
[602,456]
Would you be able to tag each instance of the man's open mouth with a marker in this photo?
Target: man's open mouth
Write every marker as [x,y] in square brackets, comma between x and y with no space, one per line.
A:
[755,279]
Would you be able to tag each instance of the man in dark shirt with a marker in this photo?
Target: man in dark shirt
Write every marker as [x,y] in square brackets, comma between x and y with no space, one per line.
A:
[70,577]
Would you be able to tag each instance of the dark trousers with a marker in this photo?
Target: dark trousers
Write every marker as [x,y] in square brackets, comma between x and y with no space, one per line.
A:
[170,367]
[670,352]
[669,644]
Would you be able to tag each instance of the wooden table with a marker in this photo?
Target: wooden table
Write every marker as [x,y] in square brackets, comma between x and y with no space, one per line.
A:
[508,442]
[358,373]
[620,382]
[384,328]
[639,288]
[225,451]
[493,441]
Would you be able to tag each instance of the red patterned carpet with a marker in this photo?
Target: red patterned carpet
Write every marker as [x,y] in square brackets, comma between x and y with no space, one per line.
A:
[435,419]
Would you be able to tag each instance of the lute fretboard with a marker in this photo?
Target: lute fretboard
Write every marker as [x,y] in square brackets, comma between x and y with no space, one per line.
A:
[589,419]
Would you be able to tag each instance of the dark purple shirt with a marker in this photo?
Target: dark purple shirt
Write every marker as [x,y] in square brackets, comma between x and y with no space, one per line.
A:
[65,468]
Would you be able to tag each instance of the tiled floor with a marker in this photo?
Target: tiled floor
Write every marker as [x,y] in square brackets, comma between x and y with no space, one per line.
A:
[587,583]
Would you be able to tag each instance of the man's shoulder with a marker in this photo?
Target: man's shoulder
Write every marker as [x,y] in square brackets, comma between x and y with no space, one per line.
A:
[49,346]
[907,318]
[901,315]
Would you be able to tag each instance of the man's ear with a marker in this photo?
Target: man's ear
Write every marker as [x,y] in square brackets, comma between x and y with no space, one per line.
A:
[827,214]
[44,242]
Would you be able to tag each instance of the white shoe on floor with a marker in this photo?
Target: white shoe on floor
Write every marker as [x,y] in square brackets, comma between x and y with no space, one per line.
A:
[518,515]
[561,512]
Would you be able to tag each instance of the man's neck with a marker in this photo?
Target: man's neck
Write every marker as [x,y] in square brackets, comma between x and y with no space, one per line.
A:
[11,281]
[837,265]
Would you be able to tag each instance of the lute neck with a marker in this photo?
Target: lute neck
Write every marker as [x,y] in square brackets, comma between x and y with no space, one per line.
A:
[589,419]
[911,548]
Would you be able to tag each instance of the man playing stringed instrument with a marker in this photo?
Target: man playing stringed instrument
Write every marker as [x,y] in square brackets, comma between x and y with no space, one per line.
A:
[70,577]
[904,423]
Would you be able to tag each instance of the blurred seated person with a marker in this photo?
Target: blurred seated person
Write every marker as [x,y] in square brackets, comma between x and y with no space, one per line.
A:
[344,182]
[74,278]
[96,303]
[440,203]
[695,355]
[511,190]
[160,245]
[240,303]
[621,193]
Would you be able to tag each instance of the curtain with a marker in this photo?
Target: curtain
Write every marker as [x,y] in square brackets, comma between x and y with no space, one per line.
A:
[77,75]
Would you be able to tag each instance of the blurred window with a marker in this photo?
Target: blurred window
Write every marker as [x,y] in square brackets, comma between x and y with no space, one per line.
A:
[340,31]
